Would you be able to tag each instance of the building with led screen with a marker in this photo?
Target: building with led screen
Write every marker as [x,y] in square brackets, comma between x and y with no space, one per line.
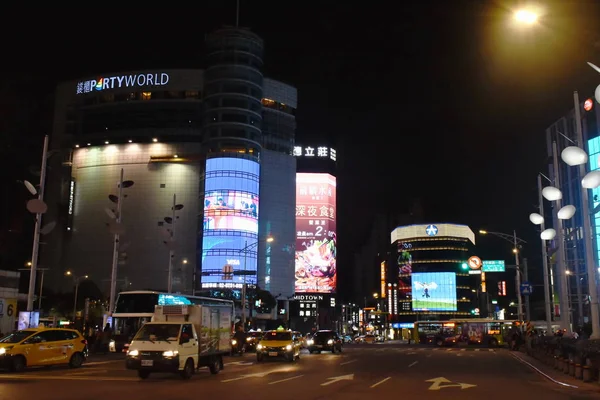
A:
[316,238]
[425,273]
[208,139]
[563,133]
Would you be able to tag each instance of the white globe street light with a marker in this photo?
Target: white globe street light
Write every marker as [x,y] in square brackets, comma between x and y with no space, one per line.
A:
[591,180]
[548,234]
[566,212]
[536,219]
[551,193]
[574,155]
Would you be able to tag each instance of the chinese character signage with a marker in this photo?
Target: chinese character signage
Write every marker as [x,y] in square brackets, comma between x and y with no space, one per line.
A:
[315,152]
[316,251]
[493,266]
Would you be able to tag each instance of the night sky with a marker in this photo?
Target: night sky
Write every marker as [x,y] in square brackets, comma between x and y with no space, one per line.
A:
[446,102]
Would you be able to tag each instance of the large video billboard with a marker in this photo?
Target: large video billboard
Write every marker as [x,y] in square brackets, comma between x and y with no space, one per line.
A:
[316,249]
[230,222]
[434,291]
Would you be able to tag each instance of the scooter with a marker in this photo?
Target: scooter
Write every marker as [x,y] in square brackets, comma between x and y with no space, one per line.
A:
[237,348]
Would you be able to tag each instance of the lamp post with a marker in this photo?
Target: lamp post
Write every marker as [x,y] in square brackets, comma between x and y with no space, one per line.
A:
[171,243]
[245,250]
[516,242]
[77,280]
[116,228]
[576,156]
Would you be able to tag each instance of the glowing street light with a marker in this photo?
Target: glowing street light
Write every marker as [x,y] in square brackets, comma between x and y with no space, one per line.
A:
[526,17]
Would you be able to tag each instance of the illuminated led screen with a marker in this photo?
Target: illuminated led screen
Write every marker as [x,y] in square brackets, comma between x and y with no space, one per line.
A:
[434,291]
[316,249]
[230,222]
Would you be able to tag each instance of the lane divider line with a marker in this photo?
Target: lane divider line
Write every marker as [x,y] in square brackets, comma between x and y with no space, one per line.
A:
[380,382]
[286,379]
[413,364]
[542,373]
[348,362]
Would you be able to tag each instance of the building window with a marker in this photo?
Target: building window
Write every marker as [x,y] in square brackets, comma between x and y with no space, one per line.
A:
[146,95]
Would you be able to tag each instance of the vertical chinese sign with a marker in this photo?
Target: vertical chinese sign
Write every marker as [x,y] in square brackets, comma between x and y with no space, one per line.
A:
[316,248]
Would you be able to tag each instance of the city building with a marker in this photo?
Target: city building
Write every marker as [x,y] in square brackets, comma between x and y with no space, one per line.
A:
[315,305]
[426,276]
[563,132]
[208,171]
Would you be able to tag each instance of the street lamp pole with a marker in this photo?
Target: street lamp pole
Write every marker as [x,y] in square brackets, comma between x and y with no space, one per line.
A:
[547,300]
[36,232]
[244,286]
[171,251]
[587,232]
[115,260]
[518,276]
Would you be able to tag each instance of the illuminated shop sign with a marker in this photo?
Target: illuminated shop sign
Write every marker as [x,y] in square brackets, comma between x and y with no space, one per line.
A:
[319,152]
[122,81]
[71,197]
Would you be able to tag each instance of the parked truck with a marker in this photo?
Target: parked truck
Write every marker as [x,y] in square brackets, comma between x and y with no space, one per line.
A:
[181,339]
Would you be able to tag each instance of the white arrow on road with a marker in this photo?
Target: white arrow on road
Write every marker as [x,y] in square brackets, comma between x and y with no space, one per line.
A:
[335,379]
[437,384]
[255,375]
[242,363]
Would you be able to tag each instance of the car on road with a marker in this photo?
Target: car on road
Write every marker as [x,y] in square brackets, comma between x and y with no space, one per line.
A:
[279,343]
[325,340]
[42,347]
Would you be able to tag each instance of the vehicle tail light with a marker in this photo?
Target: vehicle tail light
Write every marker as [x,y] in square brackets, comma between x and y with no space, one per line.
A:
[84,342]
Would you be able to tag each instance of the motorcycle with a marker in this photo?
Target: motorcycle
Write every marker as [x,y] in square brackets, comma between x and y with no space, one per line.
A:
[237,348]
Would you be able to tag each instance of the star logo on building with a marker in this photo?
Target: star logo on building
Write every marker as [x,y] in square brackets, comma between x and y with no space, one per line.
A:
[431,230]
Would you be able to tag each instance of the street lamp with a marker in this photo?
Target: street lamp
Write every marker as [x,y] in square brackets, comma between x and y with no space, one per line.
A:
[526,16]
[170,243]
[245,250]
[516,242]
[576,156]
[77,280]
[117,229]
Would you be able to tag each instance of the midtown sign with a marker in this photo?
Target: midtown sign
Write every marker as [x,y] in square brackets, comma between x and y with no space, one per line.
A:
[122,81]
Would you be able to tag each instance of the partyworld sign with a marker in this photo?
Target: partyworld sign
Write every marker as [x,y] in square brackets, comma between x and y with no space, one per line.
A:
[122,81]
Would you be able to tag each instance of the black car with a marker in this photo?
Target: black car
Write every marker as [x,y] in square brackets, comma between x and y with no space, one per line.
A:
[252,340]
[325,341]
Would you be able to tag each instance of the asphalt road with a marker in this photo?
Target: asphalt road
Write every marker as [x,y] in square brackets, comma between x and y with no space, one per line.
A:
[401,371]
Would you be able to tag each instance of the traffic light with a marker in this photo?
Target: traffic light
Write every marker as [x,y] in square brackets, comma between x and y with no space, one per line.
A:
[464,266]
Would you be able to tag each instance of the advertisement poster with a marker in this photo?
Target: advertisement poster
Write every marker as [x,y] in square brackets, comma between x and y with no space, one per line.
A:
[434,291]
[404,269]
[316,248]
[230,223]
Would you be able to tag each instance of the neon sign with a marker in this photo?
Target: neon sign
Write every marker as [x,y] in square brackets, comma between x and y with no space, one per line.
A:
[319,152]
[122,81]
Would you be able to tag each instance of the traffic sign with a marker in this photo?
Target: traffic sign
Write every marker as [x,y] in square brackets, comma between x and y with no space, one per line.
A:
[474,262]
[493,266]
[526,288]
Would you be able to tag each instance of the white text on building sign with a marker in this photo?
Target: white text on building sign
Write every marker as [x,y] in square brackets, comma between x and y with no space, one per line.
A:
[319,152]
[123,81]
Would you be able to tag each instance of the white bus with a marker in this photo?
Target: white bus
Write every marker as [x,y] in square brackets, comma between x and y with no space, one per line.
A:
[135,308]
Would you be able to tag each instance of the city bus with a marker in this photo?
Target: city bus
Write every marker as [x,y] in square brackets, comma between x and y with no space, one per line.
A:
[482,331]
[135,308]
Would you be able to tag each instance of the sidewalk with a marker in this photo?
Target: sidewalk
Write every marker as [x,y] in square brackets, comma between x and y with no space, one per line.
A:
[554,375]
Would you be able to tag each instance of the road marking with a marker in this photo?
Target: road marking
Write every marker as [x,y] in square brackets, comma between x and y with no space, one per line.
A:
[241,363]
[449,350]
[379,350]
[490,349]
[88,372]
[436,349]
[477,349]
[411,353]
[67,378]
[256,375]
[437,384]
[458,354]
[101,362]
[413,364]
[421,349]
[348,362]
[543,374]
[335,379]
[286,379]
[380,382]
[463,349]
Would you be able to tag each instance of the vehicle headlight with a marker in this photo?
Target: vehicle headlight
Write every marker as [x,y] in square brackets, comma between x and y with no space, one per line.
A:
[248,339]
[288,347]
[133,353]
[170,353]
[4,350]
[310,342]
[234,342]
[112,343]
[260,346]
[330,341]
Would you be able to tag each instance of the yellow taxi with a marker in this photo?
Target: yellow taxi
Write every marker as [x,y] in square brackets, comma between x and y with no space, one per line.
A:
[42,347]
[279,343]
